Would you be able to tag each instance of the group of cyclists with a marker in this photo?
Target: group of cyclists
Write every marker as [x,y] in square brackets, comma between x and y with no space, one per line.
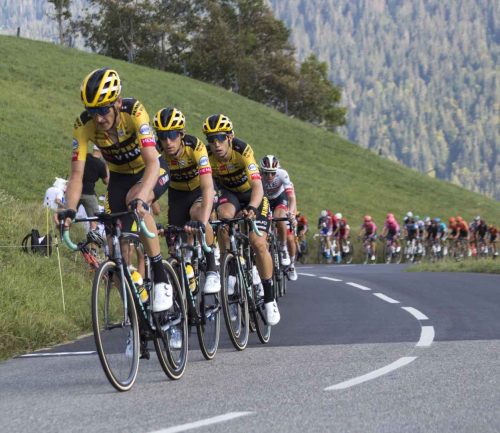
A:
[422,236]
[220,179]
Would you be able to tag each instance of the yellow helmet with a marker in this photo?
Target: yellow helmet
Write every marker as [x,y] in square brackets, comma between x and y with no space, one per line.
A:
[100,88]
[169,119]
[217,123]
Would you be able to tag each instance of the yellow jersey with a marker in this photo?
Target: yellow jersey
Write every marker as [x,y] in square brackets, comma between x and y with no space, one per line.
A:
[236,174]
[186,169]
[134,133]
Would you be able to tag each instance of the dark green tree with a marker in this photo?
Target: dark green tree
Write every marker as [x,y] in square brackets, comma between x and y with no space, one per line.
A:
[62,15]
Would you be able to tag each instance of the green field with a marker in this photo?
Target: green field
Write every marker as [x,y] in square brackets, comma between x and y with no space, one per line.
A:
[39,96]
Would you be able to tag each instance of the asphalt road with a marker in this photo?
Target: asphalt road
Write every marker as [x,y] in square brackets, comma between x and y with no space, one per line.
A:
[358,349]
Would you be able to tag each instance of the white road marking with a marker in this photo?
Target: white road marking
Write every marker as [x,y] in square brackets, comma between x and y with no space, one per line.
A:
[359,286]
[415,313]
[426,336]
[40,355]
[386,298]
[204,422]
[305,274]
[330,279]
[373,374]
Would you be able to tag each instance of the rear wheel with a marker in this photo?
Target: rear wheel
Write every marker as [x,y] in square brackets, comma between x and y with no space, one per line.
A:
[234,302]
[116,330]
[171,337]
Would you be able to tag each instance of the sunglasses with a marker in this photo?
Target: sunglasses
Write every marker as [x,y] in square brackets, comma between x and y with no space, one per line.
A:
[269,173]
[219,137]
[98,111]
[171,135]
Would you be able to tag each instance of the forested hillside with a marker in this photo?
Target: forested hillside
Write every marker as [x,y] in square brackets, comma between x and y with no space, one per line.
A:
[420,77]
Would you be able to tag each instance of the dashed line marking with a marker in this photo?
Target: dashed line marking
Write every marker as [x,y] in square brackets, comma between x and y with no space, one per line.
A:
[55,354]
[330,279]
[358,286]
[306,274]
[415,313]
[385,298]
[204,422]
[426,336]
[401,362]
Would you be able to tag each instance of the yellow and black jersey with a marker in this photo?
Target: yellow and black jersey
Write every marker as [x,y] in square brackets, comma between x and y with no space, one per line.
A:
[236,174]
[186,169]
[134,133]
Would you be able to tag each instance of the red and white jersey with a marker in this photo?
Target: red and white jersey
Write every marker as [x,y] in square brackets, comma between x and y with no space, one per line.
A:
[279,183]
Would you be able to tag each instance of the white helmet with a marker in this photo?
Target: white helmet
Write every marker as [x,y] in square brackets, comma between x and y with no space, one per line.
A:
[338,215]
[409,214]
[323,213]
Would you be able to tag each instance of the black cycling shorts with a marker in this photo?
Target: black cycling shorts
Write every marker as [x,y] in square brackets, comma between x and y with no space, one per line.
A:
[120,184]
[240,201]
[180,203]
[279,202]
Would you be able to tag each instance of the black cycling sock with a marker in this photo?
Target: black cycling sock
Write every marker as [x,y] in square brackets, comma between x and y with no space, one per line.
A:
[211,266]
[160,276]
[268,290]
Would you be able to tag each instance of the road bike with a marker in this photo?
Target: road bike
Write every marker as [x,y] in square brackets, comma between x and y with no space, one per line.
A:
[324,252]
[242,300]
[392,250]
[368,253]
[122,322]
[203,309]
[280,272]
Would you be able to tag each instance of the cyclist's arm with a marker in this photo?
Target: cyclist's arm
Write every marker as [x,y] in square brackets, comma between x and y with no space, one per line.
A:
[151,172]
[257,193]
[208,194]
[75,184]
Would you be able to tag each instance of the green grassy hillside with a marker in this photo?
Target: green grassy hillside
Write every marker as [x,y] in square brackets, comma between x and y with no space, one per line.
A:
[39,100]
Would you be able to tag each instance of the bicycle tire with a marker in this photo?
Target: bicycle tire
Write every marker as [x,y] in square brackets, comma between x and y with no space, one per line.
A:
[259,316]
[208,329]
[173,360]
[235,306]
[110,333]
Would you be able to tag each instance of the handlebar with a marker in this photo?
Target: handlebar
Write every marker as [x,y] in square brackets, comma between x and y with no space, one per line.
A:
[255,229]
[200,230]
[102,217]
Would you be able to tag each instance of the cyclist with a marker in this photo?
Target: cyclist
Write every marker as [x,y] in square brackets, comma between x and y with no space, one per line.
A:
[241,192]
[344,230]
[391,231]
[279,190]
[191,193]
[302,228]
[120,128]
[493,231]
[480,232]
[325,226]
[369,232]
[463,233]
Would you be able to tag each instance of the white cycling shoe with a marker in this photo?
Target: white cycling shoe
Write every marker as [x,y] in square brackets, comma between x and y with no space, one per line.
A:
[292,274]
[272,313]
[162,297]
[285,257]
[212,283]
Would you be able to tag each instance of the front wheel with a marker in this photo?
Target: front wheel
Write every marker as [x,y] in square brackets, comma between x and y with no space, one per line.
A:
[208,328]
[259,314]
[234,302]
[116,329]
[171,337]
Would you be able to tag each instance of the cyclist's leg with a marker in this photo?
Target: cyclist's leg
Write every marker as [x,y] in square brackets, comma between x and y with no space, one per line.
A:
[227,207]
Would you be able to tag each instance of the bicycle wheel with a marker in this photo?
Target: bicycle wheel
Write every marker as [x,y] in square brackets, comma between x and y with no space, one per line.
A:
[208,329]
[259,315]
[116,331]
[171,336]
[234,302]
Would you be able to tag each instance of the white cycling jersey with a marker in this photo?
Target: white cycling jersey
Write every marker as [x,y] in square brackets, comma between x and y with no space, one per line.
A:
[279,183]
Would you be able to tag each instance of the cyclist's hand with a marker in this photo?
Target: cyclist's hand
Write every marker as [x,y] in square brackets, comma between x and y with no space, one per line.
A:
[139,206]
[65,217]
[193,226]
[249,212]
[293,220]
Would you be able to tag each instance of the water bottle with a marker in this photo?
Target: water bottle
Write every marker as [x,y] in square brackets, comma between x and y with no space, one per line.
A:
[190,275]
[139,284]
